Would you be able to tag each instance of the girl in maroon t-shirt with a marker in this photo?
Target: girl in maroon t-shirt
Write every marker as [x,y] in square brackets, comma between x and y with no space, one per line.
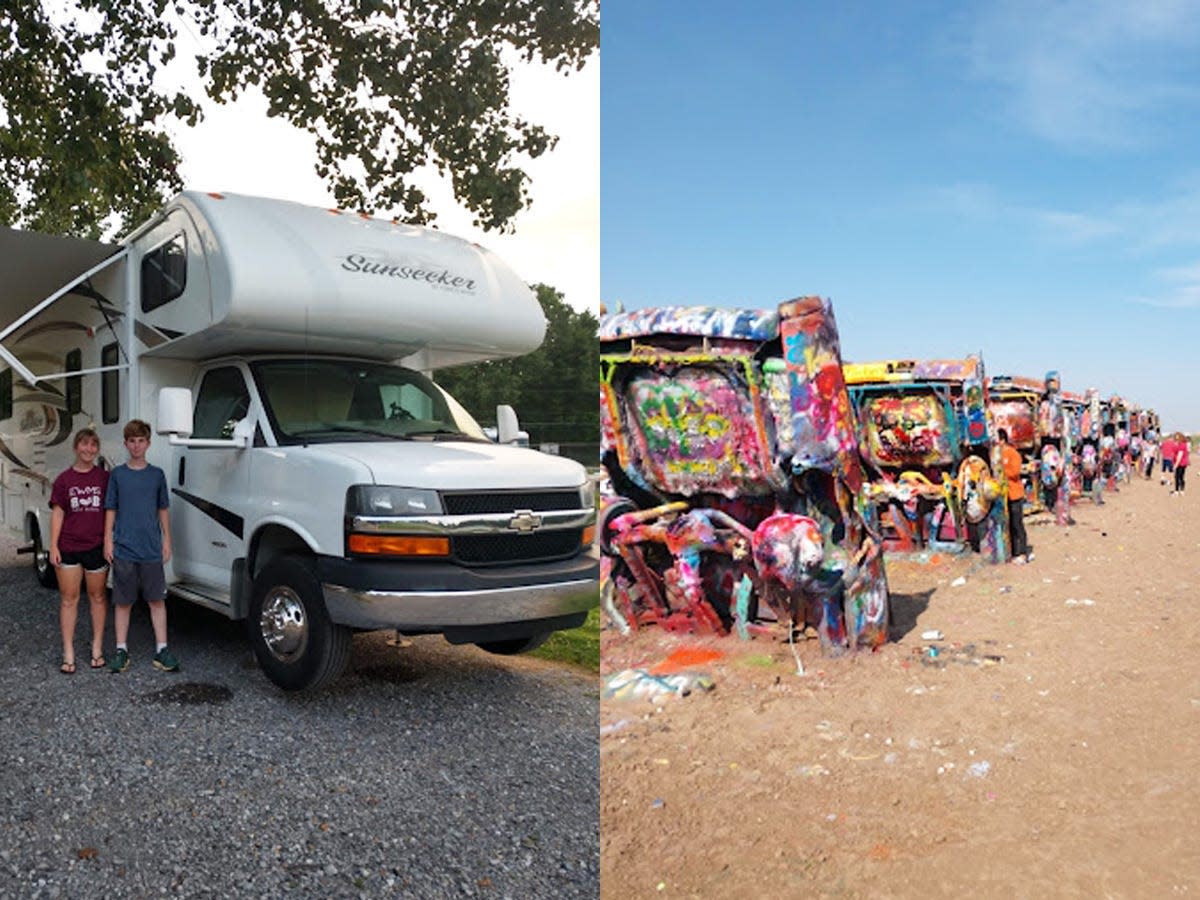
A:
[77,545]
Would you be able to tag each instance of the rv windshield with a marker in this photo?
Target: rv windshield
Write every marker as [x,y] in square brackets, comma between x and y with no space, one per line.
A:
[323,400]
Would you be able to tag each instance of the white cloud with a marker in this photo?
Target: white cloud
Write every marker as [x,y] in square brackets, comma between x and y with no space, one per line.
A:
[969,199]
[983,202]
[1171,220]
[1181,274]
[1144,227]
[1088,72]
[1075,228]
[1182,288]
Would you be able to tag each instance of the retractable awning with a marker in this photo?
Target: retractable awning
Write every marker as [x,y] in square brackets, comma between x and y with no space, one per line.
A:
[35,270]
[33,266]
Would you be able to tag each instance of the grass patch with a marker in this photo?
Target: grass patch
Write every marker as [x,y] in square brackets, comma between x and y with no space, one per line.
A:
[578,647]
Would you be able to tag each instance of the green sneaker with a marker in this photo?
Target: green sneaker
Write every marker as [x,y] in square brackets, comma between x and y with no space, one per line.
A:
[165,660]
[120,661]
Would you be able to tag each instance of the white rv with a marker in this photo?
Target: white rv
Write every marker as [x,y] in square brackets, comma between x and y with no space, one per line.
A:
[320,482]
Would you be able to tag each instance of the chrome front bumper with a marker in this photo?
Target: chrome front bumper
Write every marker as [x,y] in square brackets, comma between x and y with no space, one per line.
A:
[371,609]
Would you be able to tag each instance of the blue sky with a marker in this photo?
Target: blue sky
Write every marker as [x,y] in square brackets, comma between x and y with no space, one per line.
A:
[1021,179]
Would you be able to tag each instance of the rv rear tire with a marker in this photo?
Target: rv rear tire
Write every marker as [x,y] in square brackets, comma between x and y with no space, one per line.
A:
[42,570]
[514,646]
[296,644]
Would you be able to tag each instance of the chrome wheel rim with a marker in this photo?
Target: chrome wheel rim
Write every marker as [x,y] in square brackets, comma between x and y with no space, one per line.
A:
[283,624]
[41,559]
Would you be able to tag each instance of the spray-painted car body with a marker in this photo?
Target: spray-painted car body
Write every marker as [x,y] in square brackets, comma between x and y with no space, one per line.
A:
[1056,452]
[1075,407]
[927,442]
[735,482]
[1013,402]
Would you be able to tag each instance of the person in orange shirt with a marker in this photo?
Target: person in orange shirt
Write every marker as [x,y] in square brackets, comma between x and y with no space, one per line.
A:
[1010,461]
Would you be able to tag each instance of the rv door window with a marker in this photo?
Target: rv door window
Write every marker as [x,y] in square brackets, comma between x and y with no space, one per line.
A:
[223,401]
[164,273]
[74,382]
[110,396]
[6,394]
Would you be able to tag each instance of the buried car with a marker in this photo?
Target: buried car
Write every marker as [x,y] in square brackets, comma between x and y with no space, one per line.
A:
[736,488]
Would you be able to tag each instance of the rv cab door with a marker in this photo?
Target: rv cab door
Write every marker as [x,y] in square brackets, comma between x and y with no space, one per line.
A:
[209,486]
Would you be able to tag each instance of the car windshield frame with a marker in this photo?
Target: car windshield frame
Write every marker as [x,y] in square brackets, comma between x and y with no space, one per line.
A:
[336,400]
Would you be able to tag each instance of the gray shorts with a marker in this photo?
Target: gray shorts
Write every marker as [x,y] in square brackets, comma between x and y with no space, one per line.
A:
[128,577]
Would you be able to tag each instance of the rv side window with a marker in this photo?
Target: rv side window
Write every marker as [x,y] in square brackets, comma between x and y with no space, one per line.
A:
[6,394]
[164,273]
[74,383]
[110,397]
[223,401]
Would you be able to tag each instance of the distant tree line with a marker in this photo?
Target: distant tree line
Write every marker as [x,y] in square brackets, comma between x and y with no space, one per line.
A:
[554,389]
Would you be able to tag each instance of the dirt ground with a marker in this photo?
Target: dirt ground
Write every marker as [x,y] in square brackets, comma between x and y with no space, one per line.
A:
[1051,749]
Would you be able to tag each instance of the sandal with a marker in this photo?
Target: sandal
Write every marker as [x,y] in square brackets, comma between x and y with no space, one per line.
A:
[67,668]
[99,662]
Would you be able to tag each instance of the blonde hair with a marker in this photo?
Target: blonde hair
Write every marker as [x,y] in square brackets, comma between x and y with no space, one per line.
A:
[86,434]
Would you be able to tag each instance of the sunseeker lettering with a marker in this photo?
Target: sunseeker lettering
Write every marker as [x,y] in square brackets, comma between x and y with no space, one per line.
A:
[443,278]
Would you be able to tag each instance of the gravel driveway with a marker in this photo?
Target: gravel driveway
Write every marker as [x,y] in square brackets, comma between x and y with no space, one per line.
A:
[426,771]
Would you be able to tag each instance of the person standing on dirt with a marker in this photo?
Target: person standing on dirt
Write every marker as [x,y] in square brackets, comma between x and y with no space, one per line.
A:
[1182,448]
[77,545]
[1108,460]
[1168,457]
[1010,462]
[1149,457]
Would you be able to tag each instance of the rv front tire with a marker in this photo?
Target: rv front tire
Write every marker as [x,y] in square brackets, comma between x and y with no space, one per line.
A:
[296,644]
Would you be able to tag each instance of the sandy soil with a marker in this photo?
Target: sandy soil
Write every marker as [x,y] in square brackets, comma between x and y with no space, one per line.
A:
[1070,766]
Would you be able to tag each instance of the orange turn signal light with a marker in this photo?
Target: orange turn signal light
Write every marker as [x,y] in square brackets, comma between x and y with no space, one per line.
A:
[398,545]
[589,535]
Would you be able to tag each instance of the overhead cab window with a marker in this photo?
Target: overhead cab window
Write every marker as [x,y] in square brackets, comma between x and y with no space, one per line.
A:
[164,273]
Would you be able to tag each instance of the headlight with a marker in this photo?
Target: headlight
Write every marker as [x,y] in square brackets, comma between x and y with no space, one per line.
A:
[386,500]
[587,495]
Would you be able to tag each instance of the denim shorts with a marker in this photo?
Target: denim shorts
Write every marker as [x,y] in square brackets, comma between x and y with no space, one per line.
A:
[128,577]
[92,560]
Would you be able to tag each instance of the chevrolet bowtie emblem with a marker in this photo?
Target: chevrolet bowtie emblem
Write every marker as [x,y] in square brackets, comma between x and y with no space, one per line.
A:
[525,521]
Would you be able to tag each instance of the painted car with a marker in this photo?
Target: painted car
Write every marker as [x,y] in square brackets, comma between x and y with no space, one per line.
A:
[927,430]
[736,497]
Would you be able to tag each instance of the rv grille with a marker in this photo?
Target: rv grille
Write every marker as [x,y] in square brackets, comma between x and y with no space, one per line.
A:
[505,549]
[509,501]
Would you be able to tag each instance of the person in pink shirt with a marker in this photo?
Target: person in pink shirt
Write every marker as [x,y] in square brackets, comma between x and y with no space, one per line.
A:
[1168,457]
[1180,451]
[77,545]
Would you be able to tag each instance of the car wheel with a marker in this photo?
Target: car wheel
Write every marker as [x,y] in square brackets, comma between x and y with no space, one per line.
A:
[296,644]
[42,570]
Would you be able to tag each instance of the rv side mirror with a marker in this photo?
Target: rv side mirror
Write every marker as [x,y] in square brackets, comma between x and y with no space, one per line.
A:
[175,411]
[507,427]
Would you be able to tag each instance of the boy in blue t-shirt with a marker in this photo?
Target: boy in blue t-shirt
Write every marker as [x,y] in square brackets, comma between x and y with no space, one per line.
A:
[137,541]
